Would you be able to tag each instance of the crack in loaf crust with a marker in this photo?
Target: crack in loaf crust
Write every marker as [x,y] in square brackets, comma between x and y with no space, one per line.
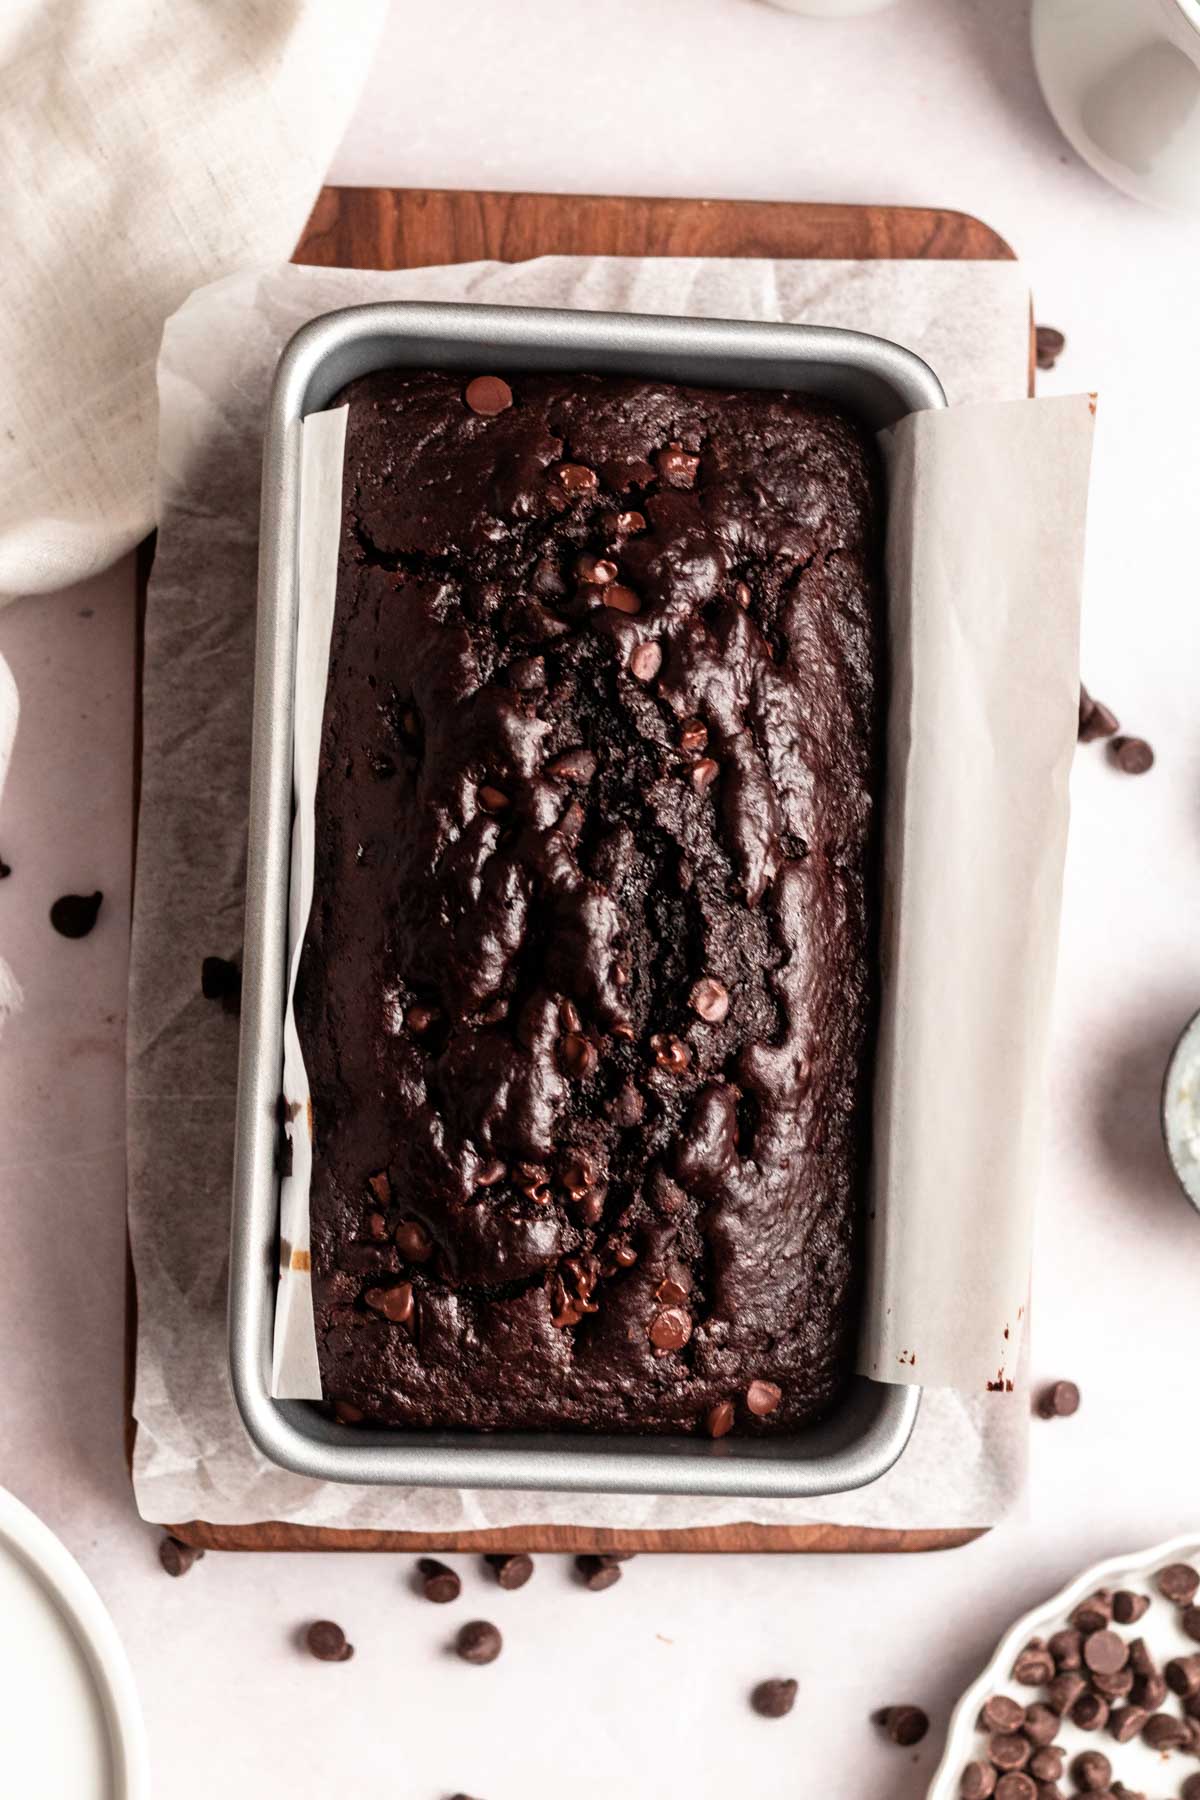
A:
[586,993]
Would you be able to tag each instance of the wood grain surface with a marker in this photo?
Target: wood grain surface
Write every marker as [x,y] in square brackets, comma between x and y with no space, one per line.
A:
[407,228]
[398,228]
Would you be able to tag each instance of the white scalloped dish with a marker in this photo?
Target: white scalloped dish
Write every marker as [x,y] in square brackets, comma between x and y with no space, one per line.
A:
[1159,1774]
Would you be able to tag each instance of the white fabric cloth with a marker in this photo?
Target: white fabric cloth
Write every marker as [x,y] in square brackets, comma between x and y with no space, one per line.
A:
[146,147]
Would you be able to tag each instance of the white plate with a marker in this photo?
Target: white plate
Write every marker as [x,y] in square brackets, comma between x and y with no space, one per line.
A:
[1153,1771]
[70,1723]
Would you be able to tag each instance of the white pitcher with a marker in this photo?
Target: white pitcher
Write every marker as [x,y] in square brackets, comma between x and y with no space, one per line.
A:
[1122,78]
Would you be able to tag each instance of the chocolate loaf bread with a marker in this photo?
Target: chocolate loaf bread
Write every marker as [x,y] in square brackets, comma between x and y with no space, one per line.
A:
[587,992]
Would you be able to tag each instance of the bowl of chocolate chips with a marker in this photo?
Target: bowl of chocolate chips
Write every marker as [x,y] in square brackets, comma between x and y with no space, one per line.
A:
[1097,1691]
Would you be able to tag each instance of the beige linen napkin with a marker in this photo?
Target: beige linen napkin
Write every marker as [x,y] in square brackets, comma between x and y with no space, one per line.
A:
[145,149]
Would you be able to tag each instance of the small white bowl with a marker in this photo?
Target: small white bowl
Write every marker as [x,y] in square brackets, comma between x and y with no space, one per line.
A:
[73,1727]
[1181,1110]
[1122,79]
[1135,1763]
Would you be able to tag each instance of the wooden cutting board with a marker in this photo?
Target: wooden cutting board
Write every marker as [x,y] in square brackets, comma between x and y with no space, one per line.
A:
[402,228]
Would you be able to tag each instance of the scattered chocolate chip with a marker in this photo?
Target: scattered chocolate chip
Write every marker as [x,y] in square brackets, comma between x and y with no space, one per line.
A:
[1050,345]
[905,1725]
[1046,1763]
[710,999]
[1162,1732]
[1094,1613]
[419,1018]
[645,662]
[376,1226]
[630,523]
[1065,1690]
[395,1303]
[774,1699]
[1178,1583]
[977,1781]
[1190,1621]
[1041,1724]
[1002,1713]
[1128,1607]
[1104,1652]
[1132,755]
[598,570]
[438,1583]
[1091,1772]
[624,1255]
[704,773]
[762,1398]
[73,915]
[177,1557]
[488,395]
[1090,1712]
[511,1572]
[327,1642]
[670,1329]
[478,1642]
[719,1419]
[1141,1661]
[1034,1666]
[381,1187]
[221,980]
[676,466]
[693,734]
[1008,1750]
[493,799]
[670,1052]
[1016,1785]
[1182,1674]
[1066,1649]
[1126,1722]
[741,594]
[1059,1400]
[489,1173]
[1095,719]
[671,1292]
[597,1572]
[572,765]
[579,1057]
[620,598]
[413,1241]
[576,478]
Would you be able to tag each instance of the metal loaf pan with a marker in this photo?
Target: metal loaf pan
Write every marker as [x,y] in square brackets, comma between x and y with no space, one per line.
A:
[878,381]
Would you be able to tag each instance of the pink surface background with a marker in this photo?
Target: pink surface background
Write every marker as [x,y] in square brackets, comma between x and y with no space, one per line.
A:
[931,102]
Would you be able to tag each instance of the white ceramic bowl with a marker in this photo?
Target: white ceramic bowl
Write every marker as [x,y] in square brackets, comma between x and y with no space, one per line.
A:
[1122,79]
[70,1724]
[1139,1767]
[1181,1111]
